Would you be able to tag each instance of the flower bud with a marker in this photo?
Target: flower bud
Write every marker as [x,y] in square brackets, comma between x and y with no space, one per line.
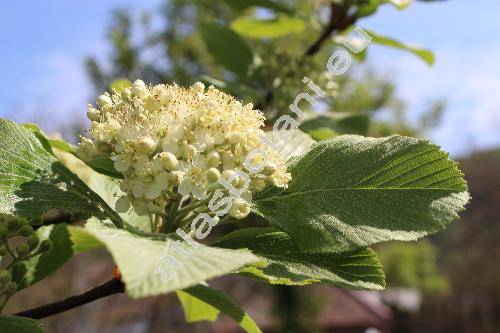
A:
[213,175]
[36,221]
[126,94]
[15,224]
[269,169]
[190,151]
[199,87]
[45,245]
[87,150]
[33,242]
[213,159]
[104,100]
[236,180]
[152,192]
[122,205]
[169,160]
[4,277]
[139,88]
[25,231]
[258,184]
[121,164]
[93,114]
[146,145]
[138,189]
[22,249]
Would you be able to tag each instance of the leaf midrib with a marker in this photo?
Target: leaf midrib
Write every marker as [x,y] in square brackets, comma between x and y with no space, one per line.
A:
[279,197]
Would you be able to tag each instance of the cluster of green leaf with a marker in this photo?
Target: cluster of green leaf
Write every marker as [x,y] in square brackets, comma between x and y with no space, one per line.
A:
[348,192]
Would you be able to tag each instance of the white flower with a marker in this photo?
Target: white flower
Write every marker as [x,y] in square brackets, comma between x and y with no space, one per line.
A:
[169,161]
[239,209]
[167,140]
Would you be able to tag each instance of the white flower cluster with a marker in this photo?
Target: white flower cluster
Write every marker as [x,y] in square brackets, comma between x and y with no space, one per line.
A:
[167,140]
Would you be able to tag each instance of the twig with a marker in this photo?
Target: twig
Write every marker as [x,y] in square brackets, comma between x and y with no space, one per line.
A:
[338,21]
[110,287]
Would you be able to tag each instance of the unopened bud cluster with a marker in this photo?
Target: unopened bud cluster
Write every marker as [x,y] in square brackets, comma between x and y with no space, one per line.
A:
[167,140]
[16,226]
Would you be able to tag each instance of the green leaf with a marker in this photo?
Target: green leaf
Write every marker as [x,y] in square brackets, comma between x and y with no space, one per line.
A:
[367,7]
[268,28]
[351,191]
[66,240]
[140,259]
[336,123]
[33,180]
[120,84]
[195,309]
[105,166]
[422,53]
[52,143]
[14,324]
[225,304]
[109,190]
[101,164]
[227,47]
[287,264]
[270,4]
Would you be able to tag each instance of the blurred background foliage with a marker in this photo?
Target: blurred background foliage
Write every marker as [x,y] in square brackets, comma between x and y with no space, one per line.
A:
[259,51]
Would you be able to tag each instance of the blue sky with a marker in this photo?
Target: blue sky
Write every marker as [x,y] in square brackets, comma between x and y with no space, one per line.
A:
[44,44]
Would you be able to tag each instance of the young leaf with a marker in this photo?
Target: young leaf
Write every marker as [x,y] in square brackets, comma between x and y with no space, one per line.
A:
[105,166]
[340,122]
[196,310]
[102,165]
[270,4]
[120,84]
[268,28]
[287,264]
[53,143]
[33,180]
[426,55]
[142,259]
[225,304]
[351,191]
[66,241]
[227,47]
[14,324]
